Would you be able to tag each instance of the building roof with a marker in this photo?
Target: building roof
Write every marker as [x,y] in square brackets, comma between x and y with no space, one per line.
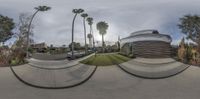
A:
[150,31]
[146,35]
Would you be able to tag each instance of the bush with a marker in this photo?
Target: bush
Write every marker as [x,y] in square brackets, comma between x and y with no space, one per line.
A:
[131,56]
[17,56]
[4,56]
[14,62]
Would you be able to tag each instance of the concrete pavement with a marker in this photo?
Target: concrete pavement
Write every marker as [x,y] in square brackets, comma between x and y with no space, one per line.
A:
[109,82]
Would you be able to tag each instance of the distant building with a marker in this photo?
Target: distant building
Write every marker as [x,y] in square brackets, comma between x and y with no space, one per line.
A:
[147,44]
[40,47]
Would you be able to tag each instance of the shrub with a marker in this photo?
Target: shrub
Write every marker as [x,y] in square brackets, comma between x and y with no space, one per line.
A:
[4,56]
[17,56]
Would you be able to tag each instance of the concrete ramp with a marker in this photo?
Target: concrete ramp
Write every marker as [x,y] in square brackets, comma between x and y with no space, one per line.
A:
[153,68]
[50,64]
[55,64]
[53,79]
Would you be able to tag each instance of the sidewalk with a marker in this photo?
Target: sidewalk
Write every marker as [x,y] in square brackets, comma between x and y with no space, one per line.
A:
[53,74]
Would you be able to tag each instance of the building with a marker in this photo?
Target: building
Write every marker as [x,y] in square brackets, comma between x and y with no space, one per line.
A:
[147,44]
[40,47]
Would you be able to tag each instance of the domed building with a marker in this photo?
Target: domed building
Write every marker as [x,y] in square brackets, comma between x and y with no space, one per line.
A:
[146,44]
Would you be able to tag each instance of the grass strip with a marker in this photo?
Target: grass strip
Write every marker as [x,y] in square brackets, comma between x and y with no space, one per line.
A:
[105,59]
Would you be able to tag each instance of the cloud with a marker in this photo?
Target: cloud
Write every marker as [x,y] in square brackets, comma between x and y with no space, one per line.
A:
[123,17]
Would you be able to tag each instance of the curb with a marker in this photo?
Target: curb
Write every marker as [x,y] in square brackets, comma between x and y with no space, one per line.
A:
[53,68]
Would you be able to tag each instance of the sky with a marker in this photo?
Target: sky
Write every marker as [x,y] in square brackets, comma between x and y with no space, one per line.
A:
[122,16]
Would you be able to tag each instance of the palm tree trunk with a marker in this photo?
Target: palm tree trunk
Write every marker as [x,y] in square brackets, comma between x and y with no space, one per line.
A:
[72,46]
[92,36]
[28,33]
[85,36]
[102,43]
[198,46]
[3,43]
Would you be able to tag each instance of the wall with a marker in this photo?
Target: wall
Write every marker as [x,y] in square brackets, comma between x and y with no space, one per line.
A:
[151,49]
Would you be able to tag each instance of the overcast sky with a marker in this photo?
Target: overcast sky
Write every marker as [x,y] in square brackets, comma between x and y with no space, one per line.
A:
[123,17]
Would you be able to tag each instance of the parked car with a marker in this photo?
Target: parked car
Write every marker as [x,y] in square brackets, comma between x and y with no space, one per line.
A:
[77,54]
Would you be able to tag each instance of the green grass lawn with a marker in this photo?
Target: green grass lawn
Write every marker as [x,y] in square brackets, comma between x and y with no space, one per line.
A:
[105,59]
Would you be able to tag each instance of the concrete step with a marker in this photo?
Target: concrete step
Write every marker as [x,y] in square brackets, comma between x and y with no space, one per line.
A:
[154,60]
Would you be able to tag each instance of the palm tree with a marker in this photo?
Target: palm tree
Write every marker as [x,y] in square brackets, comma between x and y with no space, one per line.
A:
[39,8]
[84,15]
[76,12]
[90,39]
[90,22]
[102,27]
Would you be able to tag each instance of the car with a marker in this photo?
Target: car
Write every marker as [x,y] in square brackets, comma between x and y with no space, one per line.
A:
[77,54]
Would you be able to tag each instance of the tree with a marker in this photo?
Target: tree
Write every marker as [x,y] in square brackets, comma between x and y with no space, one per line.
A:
[89,36]
[188,52]
[90,22]
[76,12]
[102,27]
[118,43]
[77,45]
[6,27]
[51,46]
[63,45]
[182,50]
[84,15]
[190,26]
[39,8]
[22,26]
